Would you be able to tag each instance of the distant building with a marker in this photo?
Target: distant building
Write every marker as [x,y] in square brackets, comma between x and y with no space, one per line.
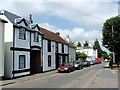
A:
[89,51]
[2,30]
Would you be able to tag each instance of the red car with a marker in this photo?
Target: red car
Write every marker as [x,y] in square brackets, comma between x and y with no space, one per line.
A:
[97,61]
[66,67]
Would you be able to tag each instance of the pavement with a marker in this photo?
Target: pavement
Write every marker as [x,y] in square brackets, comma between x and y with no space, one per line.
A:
[27,78]
[107,78]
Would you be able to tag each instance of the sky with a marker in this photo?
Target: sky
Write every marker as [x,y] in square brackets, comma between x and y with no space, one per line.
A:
[82,20]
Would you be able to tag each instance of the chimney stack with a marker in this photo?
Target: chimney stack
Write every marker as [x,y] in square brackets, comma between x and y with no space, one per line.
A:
[58,33]
[30,20]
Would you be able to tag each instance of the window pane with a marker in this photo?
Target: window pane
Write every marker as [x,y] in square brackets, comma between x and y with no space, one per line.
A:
[22,33]
[21,61]
[36,37]
[49,46]
[49,60]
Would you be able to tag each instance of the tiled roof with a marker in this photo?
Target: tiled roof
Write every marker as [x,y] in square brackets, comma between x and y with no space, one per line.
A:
[52,36]
[9,15]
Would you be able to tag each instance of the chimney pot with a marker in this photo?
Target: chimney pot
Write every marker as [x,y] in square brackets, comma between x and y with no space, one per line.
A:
[31,21]
[57,33]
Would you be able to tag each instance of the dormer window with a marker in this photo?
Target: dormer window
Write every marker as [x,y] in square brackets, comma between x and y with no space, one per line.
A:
[36,37]
[22,33]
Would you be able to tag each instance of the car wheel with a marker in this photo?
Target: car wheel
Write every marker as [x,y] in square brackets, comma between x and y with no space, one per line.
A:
[82,67]
[79,68]
[58,71]
[74,69]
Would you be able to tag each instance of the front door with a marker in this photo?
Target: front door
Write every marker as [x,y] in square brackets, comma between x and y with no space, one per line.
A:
[35,61]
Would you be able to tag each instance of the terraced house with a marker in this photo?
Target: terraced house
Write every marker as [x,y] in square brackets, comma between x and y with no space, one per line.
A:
[55,50]
[23,44]
[31,49]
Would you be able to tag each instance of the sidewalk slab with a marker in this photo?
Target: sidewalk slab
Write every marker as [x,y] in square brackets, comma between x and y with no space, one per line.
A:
[107,78]
[27,78]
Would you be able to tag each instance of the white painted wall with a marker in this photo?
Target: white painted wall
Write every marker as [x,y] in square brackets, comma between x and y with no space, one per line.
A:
[2,27]
[20,42]
[72,54]
[8,29]
[89,52]
[59,48]
[16,62]
[45,56]
[36,43]
[66,49]
[8,60]
[16,59]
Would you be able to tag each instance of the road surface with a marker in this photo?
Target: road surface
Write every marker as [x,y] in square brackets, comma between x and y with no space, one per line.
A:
[85,78]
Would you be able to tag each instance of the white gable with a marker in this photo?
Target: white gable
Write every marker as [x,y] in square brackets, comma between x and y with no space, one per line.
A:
[36,29]
[22,23]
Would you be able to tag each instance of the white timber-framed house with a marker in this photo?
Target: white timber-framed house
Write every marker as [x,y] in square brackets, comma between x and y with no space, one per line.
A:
[23,43]
[55,50]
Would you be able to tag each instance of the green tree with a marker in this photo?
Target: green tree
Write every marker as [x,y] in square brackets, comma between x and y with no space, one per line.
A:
[78,44]
[86,43]
[97,46]
[105,55]
[111,35]
[80,55]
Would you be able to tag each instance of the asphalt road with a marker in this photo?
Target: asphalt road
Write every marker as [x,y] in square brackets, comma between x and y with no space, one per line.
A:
[76,79]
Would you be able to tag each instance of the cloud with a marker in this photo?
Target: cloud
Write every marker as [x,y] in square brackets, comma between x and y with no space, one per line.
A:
[76,34]
[88,14]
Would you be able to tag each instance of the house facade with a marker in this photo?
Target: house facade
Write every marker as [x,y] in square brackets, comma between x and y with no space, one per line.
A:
[72,53]
[72,49]
[23,43]
[2,29]
[55,50]
[30,49]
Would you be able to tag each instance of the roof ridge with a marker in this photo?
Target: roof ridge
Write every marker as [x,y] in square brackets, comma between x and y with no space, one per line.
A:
[47,29]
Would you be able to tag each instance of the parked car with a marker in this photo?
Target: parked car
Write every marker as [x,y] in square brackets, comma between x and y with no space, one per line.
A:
[98,59]
[66,67]
[78,64]
[86,63]
[91,62]
[96,62]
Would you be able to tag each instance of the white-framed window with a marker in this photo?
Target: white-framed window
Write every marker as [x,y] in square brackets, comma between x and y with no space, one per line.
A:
[36,37]
[22,33]
[49,46]
[22,61]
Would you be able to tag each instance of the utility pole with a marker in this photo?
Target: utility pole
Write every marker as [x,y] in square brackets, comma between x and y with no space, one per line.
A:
[113,45]
[119,8]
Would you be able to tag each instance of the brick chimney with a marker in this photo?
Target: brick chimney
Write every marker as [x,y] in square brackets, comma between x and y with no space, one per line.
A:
[30,19]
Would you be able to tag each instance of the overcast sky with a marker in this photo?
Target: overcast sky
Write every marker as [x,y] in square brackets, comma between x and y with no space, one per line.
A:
[81,19]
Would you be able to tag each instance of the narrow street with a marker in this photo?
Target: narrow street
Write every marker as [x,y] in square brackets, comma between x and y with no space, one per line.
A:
[89,77]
